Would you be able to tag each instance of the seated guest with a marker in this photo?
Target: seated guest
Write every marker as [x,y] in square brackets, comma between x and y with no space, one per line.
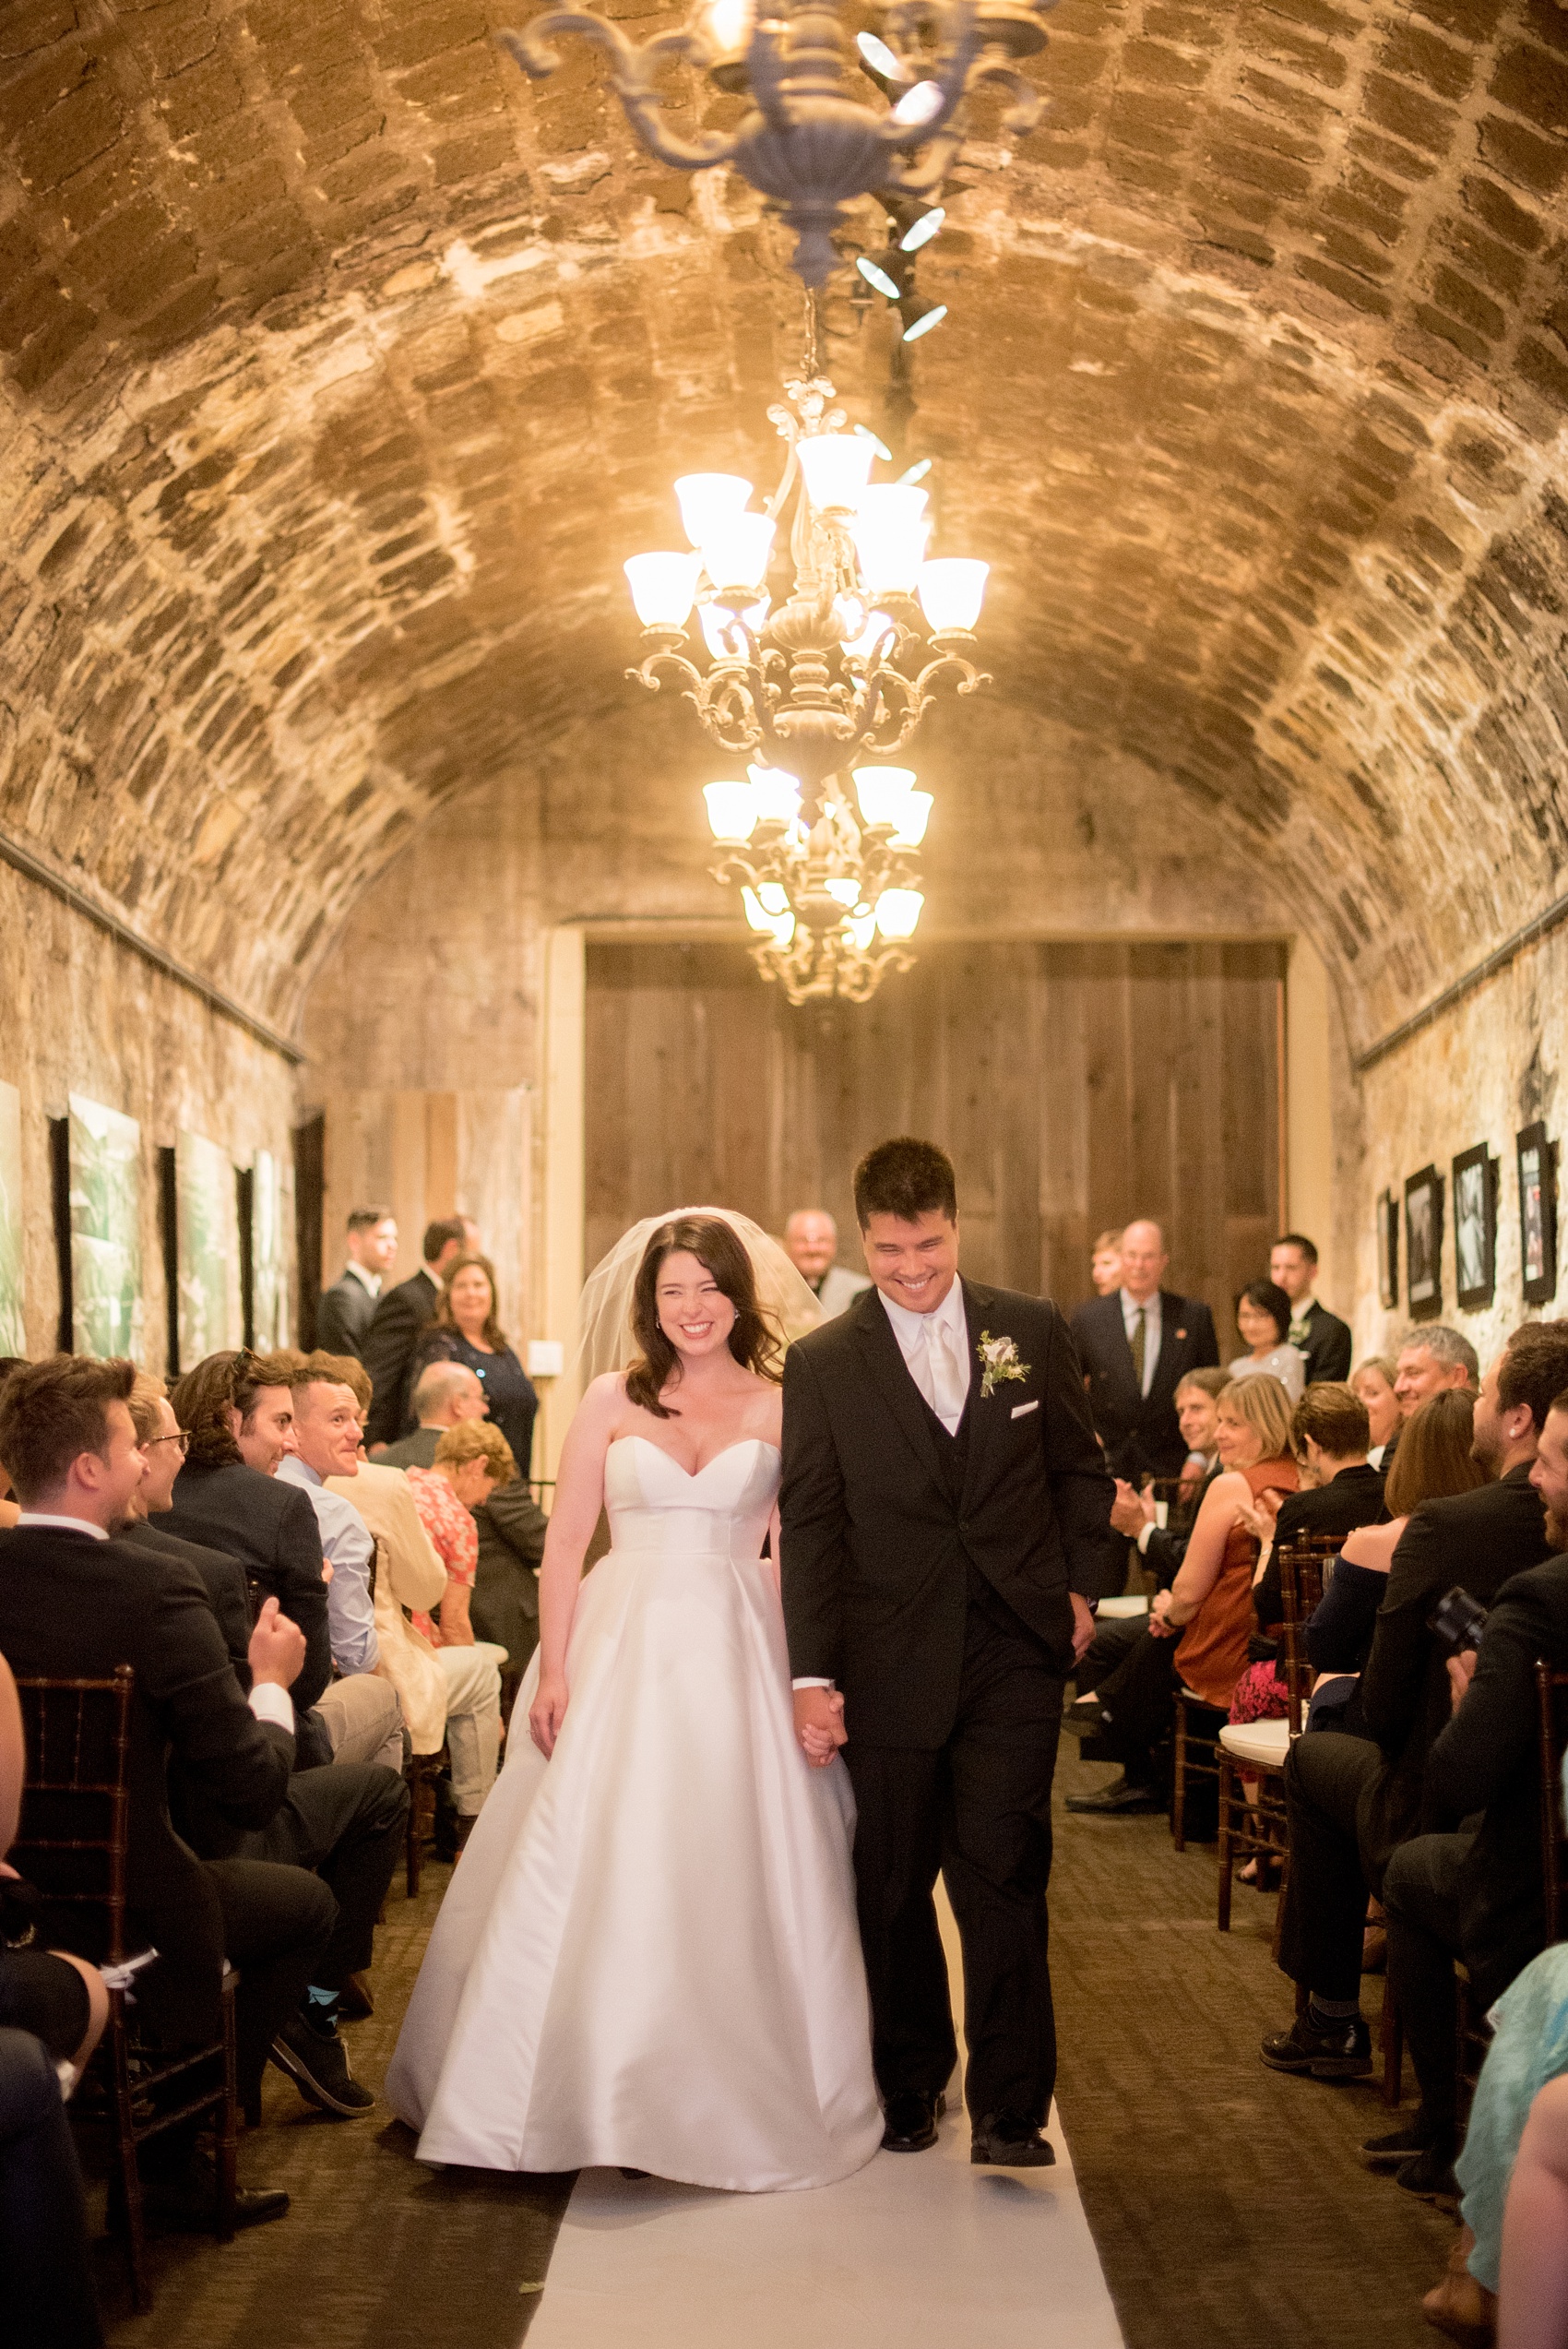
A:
[1430,1358]
[1105,1264]
[238,1413]
[445,1394]
[1325,1339]
[511,1527]
[1475,1892]
[401,1316]
[51,1993]
[44,2256]
[1136,1347]
[345,1311]
[1374,1382]
[811,1243]
[1197,1632]
[1352,1801]
[409,1581]
[1263,1316]
[163,1443]
[472,1461]
[360,1711]
[464,1329]
[75,1601]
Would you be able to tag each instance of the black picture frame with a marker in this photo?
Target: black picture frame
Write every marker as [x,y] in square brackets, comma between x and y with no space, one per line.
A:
[1387,1250]
[1475,1227]
[1537,1214]
[1423,1244]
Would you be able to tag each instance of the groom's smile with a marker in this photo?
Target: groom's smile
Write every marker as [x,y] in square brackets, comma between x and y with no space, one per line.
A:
[914,1262]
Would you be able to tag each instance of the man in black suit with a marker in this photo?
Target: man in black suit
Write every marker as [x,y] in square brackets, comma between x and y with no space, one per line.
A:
[344,1312]
[75,1601]
[1477,1893]
[1136,1347]
[945,1517]
[1353,1801]
[445,1394]
[1321,1337]
[400,1317]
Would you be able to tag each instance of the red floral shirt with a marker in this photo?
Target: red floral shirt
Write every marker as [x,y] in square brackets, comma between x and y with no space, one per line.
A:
[451,1529]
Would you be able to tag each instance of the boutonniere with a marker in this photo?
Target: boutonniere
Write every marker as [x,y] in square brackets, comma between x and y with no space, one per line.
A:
[999,1360]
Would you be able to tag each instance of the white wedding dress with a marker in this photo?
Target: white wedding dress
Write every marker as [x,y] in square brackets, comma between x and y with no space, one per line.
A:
[648,1954]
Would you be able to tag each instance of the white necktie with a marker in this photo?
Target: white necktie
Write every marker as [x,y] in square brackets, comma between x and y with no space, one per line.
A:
[942,1385]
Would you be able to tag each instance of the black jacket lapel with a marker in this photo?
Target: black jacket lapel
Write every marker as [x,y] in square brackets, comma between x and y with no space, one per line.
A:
[980,1313]
[890,1373]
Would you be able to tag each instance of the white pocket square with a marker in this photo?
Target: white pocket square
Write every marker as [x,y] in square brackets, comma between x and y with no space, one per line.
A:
[1021,1411]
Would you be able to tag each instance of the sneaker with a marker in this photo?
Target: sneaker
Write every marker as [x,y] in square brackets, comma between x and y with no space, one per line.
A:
[1399,2147]
[316,2061]
[1343,2051]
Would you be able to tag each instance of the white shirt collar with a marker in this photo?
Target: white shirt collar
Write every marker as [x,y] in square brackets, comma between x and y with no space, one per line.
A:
[1300,1307]
[910,1327]
[67,1524]
[1131,1310]
[370,1280]
[294,1471]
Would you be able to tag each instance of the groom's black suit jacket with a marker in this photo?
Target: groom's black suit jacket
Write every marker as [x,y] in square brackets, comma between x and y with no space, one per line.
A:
[883,1543]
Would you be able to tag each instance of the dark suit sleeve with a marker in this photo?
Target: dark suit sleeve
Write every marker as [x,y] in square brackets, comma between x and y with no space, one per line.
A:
[1163,1554]
[1081,1488]
[814,1519]
[1473,1759]
[388,1343]
[1200,1327]
[1394,1683]
[517,1518]
[333,1334]
[1328,1347]
[1345,1617]
[302,1594]
[186,1676]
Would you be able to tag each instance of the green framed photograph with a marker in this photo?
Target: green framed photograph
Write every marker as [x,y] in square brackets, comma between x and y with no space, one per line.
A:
[104,1192]
[13,1328]
[206,1249]
[269,1261]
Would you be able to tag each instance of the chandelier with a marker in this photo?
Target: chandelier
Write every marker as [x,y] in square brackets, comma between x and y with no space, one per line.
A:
[806,143]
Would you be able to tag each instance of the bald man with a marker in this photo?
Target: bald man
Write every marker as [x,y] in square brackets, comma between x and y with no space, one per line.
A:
[811,1243]
[1136,1346]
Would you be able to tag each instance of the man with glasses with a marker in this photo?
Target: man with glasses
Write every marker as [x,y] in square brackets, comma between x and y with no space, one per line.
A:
[164,1444]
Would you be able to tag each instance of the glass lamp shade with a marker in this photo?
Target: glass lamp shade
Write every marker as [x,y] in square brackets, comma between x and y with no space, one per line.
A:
[920,104]
[862,929]
[783,930]
[844,892]
[664,588]
[708,501]
[836,466]
[914,815]
[732,810]
[776,794]
[716,625]
[735,551]
[771,897]
[898,911]
[890,531]
[885,793]
[951,591]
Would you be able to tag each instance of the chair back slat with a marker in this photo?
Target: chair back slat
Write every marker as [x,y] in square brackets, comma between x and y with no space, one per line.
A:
[1552,1699]
[75,1828]
[1302,1566]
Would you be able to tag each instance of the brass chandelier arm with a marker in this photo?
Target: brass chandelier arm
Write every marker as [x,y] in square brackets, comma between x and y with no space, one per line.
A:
[634,69]
[949,70]
[1028,103]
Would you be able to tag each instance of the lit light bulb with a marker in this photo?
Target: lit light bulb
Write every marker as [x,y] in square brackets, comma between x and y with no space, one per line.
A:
[732,810]
[664,588]
[777,795]
[914,815]
[890,532]
[880,58]
[877,277]
[862,929]
[952,590]
[885,793]
[754,914]
[734,554]
[783,930]
[845,892]
[924,228]
[730,24]
[898,911]
[708,501]
[836,466]
[920,104]
[718,624]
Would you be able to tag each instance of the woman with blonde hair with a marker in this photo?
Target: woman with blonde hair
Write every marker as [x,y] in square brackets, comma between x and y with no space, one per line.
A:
[1198,1631]
[1373,1381]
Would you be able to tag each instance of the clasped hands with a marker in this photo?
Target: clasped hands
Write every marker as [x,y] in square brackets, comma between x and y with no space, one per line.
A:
[819,1725]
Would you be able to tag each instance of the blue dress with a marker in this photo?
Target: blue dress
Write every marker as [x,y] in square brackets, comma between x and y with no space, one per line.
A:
[510,1392]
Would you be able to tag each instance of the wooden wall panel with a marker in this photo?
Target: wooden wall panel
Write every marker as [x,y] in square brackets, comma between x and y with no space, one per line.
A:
[1074,1085]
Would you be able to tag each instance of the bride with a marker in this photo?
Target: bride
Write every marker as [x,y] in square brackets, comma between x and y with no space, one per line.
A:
[648,1955]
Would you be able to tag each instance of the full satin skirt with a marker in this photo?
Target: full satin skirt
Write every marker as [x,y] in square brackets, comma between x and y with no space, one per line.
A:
[648,1954]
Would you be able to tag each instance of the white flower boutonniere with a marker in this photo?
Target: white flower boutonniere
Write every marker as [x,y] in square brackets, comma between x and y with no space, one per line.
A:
[999,1360]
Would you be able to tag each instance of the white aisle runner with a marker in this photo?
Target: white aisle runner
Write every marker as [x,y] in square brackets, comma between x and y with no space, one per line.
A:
[918,2251]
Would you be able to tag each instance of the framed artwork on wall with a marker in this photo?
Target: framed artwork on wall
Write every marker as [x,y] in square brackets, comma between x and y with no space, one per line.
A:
[1387,1250]
[103,1156]
[13,1333]
[1537,1216]
[1423,1244]
[269,1258]
[1475,1227]
[205,1248]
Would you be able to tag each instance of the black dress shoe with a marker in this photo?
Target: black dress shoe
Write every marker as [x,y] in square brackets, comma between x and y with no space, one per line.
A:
[310,2051]
[1431,2174]
[1011,2142]
[1401,2145]
[1120,1799]
[1341,2051]
[910,2120]
[186,2203]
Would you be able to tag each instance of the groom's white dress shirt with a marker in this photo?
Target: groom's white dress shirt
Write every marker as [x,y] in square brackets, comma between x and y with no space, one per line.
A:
[935,1346]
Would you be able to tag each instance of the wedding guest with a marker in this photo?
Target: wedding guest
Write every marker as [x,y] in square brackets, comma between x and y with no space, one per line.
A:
[811,1243]
[470,1463]
[464,1329]
[1136,1347]
[511,1528]
[1263,1316]
[44,2254]
[1374,1382]
[1162,1548]
[1105,1264]
[1321,1336]
[445,1394]
[345,1311]
[401,1314]
[163,1444]
[1430,1359]
[1197,1631]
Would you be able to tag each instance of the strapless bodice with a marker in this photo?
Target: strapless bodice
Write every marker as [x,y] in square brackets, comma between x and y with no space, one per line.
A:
[655,1505]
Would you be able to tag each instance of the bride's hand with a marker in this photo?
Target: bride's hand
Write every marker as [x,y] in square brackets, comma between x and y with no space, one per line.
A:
[546,1714]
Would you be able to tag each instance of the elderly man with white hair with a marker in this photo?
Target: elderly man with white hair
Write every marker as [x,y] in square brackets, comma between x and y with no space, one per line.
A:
[445,1394]
[811,1243]
[1136,1347]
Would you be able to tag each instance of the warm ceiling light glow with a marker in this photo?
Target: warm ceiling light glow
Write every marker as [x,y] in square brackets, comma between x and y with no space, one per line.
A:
[735,553]
[777,795]
[951,590]
[718,629]
[920,104]
[729,24]
[890,532]
[664,588]
[880,446]
[771,897]
[898,911]
[884,792]
[732,810]
[860,648]
[913,816]
[919,316]
[924,228]
[877,277]
[836,466]
[916,473]
[880,58]
[844,892]
[708,501]
[862,929]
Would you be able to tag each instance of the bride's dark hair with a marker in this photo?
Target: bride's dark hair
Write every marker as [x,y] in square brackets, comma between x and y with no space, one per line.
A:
[720,1251]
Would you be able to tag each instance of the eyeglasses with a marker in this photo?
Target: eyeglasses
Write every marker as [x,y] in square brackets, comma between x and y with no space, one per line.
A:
[182,1436]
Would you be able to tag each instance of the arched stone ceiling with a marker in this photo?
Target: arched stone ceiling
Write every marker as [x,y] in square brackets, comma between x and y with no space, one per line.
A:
[341,369]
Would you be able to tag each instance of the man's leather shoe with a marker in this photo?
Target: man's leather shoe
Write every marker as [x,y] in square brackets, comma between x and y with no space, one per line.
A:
[910,2121]
[311,2054]
[1011,2142]
[1431,2174]
[1118,1800]
[1343,2051]
[1400,2145]
[187,2202]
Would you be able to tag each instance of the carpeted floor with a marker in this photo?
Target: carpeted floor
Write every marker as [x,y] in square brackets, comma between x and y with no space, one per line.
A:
[1227,2203]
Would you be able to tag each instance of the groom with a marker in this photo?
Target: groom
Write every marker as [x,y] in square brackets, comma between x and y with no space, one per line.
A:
[945,1516]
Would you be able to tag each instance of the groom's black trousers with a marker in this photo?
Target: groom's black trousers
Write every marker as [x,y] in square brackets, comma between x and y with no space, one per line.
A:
[978,1809]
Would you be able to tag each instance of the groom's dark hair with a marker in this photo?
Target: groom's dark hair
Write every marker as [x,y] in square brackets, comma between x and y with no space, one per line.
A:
[904,1178]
